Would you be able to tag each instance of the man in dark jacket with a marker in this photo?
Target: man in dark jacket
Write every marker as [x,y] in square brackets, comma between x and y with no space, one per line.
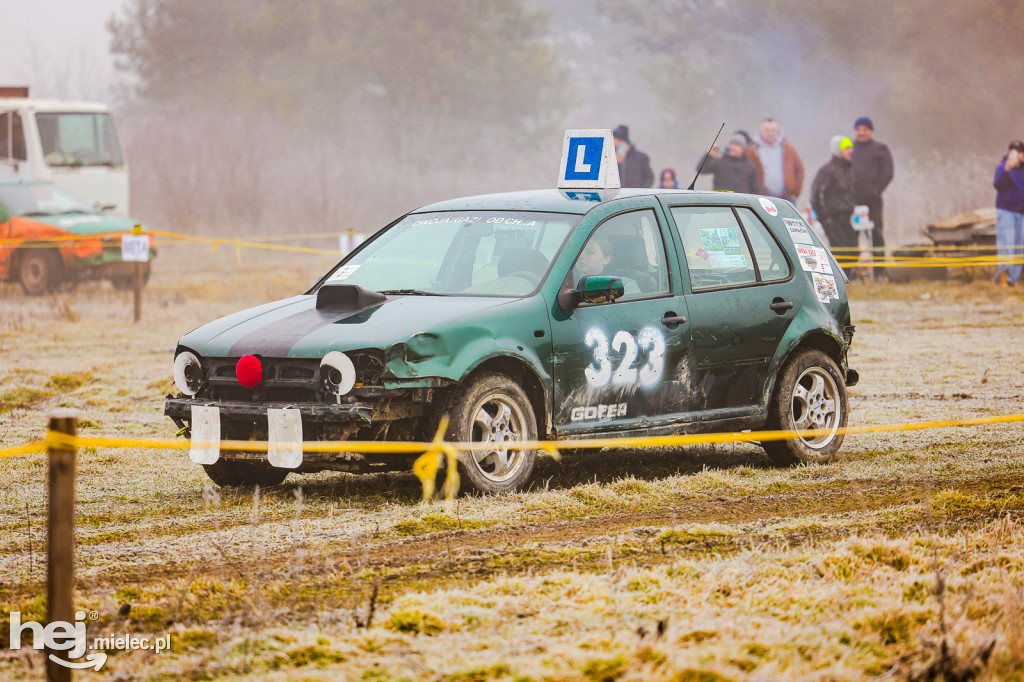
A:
[832,195]
[732,172]
[872,173]
[1009,183]
[634,165]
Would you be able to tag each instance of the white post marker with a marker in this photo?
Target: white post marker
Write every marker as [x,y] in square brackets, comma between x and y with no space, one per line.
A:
[589,170]
[135,248]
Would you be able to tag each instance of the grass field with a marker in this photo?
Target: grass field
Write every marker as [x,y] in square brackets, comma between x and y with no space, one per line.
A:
[900,560]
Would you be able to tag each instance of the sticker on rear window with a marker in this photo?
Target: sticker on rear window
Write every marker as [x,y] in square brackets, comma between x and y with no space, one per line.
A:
[825,287]
[344,272]
[798,231]
[769,206]
[814,259]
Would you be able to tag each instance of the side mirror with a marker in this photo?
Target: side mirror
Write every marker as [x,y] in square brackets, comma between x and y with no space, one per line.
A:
[593,289]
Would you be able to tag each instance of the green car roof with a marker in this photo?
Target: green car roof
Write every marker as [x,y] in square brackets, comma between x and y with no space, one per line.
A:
[548,200]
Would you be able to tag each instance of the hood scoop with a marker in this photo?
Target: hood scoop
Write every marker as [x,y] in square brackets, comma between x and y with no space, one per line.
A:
[347,298]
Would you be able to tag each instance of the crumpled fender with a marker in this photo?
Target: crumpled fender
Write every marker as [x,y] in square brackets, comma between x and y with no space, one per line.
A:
[437,358]
[809,321]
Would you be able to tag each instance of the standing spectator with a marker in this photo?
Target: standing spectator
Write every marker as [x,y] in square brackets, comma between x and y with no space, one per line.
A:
[872,173]
[1009,184]
[780,172]
[732,172]
[668,179]
[832,194]
[634,166]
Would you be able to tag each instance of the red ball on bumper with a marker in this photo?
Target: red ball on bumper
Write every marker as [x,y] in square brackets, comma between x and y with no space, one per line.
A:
[249,371]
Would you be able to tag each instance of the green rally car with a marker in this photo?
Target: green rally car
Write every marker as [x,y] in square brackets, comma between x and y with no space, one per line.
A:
[534,315]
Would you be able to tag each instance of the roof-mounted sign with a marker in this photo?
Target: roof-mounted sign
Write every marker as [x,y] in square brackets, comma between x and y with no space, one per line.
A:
[588,161]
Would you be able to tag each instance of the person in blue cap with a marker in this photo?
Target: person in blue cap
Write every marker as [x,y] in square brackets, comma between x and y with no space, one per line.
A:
[872,173]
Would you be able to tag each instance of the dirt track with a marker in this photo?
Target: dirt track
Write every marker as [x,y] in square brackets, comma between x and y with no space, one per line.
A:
[150,536]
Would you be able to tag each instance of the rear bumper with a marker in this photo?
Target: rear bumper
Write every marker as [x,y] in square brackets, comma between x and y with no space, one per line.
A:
[312,413]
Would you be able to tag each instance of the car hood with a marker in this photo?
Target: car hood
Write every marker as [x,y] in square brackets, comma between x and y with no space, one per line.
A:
[85,223]
[295,328]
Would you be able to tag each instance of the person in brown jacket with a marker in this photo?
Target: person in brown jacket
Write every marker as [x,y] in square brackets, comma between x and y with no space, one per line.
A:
[779,168]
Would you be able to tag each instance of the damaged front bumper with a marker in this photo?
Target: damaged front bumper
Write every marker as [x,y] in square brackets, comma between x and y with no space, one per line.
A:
[312,413]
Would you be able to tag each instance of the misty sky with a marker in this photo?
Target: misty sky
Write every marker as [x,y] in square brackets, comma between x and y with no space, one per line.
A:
[57,47]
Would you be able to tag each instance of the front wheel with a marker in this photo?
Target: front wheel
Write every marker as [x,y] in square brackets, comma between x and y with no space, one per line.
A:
[494,412]
[810,397]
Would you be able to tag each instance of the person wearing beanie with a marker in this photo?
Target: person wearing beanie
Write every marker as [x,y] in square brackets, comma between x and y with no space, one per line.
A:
[872,173]
[780,171]
[732,172]
[832,194]
[1009,184]
[634,165]
[668,179]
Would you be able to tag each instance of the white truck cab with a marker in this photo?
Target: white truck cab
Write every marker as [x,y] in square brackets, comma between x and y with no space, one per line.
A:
[74,145]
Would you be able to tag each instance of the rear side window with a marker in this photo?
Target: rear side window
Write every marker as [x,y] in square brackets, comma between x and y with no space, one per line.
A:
[771,262]
[717,253]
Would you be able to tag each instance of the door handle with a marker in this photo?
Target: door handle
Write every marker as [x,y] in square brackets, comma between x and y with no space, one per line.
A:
[780,306]
[671,320]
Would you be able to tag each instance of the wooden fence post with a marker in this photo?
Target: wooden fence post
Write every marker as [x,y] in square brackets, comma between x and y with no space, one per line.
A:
[60,561]
[137,290]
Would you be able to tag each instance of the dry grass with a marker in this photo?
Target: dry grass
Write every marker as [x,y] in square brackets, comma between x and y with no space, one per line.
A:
[681,564]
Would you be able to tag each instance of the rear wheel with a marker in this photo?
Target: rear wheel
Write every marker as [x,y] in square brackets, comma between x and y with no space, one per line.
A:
[810,397]
[235,473]
[39,270]
[127,282]
[494,412]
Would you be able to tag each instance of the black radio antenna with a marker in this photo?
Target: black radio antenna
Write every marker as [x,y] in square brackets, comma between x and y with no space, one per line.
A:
[701,167]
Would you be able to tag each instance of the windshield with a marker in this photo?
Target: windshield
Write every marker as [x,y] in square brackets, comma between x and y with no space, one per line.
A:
[79,139]
[38,200]
[470,253]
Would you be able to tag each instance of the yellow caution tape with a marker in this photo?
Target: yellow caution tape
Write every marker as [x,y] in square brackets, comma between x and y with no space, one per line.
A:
[59,440]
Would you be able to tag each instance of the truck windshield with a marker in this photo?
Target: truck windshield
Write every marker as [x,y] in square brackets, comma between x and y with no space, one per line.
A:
[39,199]
[79,139]
[468,253]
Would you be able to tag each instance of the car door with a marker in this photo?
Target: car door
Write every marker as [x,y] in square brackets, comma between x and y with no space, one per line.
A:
[616,363]
[741,296]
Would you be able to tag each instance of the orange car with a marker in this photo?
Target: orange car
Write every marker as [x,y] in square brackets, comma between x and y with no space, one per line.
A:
[50,240]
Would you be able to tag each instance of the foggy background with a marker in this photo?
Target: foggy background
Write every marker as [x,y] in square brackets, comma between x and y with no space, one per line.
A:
[261,116]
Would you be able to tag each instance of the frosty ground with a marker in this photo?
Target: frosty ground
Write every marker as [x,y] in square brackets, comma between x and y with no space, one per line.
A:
[683,564]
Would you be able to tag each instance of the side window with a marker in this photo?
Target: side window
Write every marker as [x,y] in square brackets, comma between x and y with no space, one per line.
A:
[12,137]
[18,139]
[716,251]
[771,262]
[5,136]
[628,246]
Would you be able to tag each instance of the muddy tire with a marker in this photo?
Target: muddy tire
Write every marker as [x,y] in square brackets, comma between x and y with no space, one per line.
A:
[810,394]
[233,474]
[39,271]
[127,282]
[493,409]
